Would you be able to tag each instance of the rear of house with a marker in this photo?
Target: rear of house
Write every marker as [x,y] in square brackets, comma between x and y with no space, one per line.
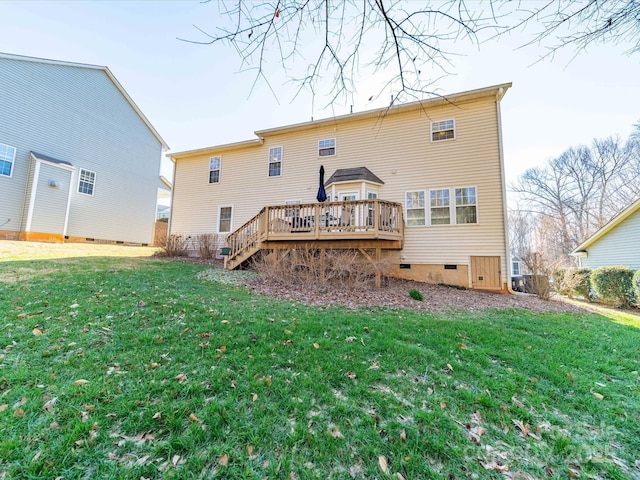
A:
[440,159]
[78,159]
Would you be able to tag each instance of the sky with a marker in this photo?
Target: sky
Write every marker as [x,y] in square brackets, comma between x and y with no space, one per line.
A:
[198,95]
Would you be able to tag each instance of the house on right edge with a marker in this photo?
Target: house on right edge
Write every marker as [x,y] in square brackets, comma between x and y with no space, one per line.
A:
[617,243]
[421,184]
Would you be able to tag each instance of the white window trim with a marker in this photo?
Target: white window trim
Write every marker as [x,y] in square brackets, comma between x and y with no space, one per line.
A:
[219,169]
[451,207]
[269,162]
[443,130]
[335,148]
[93,185]
[513,270]
[425,208]
[454,205]
[13,160]
[220,207]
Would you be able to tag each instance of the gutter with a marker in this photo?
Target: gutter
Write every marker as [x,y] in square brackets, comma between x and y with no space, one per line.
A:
[505,214]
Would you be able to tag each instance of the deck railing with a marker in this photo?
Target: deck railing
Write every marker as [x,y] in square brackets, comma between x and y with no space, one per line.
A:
[354,219]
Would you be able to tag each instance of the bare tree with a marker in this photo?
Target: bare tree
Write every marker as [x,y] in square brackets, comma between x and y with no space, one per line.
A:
[324,44]
[578,192]
[630,176]
[577,25]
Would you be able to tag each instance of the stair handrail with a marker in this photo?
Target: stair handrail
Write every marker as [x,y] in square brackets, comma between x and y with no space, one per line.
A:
[245,236]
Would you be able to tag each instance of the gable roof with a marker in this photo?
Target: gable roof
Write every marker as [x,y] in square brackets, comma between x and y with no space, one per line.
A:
[10,56]
[613,223]
[496,91]
[357,174]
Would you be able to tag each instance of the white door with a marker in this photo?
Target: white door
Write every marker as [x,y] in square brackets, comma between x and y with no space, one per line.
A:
[350,196]
[371,208]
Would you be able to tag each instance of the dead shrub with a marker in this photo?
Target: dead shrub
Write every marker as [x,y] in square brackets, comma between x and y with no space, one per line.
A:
[175,246]
[348,268]
[207,245]
[541,269]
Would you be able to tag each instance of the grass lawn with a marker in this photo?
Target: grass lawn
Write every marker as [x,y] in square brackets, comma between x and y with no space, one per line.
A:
[133,367]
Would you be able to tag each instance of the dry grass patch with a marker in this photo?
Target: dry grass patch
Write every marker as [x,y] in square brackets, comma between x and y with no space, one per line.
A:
[22,274]
[17,251]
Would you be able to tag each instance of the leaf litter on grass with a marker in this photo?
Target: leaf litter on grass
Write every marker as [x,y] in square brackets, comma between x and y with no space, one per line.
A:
[424,408]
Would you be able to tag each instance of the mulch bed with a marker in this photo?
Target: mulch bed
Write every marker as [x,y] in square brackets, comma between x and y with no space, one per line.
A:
[395,294]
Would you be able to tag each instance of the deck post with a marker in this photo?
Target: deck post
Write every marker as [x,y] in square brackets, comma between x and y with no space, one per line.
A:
[376,217]
[264,228]
[377,267]
[323,252]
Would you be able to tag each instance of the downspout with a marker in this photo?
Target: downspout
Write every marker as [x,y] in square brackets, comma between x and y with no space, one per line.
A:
[173,189]
[505,215]
[32,200]
[72,182]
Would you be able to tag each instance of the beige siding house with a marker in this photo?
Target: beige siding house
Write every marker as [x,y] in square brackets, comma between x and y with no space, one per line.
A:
[425,177]
[617,243]
[78,159]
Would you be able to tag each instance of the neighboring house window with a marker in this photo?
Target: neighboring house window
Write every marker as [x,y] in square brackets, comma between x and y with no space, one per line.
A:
[466,206]
[415,205]
[443,130]
[214,169]
[86,181]
[439,204]
[327,148]
[275,161]
[515,268]
[7,157]
[224,219]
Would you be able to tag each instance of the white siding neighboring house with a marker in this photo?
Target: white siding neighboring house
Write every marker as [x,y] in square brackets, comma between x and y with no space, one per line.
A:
[79,161]
[617,243]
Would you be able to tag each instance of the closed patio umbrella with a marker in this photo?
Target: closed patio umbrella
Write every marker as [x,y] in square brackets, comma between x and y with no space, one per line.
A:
[322,194]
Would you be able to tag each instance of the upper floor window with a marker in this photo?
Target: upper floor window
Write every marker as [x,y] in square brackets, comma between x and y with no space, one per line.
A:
[86,181]
[327,147]
[439,204]
[443,130]
[275,161]
[415,205]
[224,219]
[466,205]
[7,157]
[214,169]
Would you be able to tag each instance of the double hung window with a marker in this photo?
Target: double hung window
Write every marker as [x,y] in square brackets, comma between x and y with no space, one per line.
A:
[327,147]
[86,181]
[224,219]
[466,206]
[7,157]
[443,130]
[415,205]
[275,161]
[214,169]
[440,207]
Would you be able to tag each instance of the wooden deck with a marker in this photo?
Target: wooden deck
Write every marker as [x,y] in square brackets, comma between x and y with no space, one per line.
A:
[360,224]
